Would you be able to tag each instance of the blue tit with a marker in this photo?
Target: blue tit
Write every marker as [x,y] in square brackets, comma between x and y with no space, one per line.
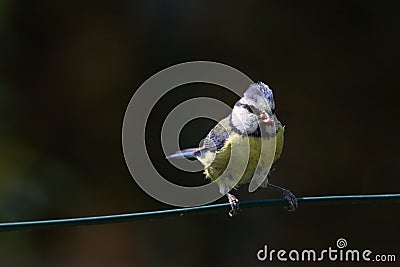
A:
[251,116]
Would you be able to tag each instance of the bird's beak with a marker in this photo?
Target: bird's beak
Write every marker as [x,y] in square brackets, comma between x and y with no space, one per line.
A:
[265,118]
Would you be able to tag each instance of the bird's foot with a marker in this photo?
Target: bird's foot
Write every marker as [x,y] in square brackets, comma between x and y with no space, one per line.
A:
[289,196]
[291,199]
[234,205]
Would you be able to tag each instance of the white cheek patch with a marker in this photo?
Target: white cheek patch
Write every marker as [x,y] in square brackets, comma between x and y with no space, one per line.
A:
[243,120]
[263,104]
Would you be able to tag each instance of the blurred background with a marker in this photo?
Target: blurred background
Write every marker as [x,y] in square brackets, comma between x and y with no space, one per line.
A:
[69,68]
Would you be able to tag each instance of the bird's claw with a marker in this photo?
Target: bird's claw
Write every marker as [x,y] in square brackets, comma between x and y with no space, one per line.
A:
[234,205]
[289,196]
[291,199]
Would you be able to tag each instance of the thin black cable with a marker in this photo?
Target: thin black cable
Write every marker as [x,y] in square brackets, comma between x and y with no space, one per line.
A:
[119,218]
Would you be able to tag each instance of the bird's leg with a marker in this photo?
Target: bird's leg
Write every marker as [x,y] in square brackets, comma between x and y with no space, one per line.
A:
[234,204]
[289,196]
[233,201]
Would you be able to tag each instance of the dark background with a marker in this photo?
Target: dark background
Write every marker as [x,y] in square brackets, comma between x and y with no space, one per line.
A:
[69,69]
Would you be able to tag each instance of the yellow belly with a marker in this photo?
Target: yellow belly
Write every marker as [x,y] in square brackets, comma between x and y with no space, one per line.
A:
[216,168]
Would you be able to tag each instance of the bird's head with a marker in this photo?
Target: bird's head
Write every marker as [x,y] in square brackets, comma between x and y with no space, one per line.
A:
[254,110]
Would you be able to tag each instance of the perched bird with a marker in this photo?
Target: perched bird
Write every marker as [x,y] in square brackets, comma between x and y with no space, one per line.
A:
[251,122]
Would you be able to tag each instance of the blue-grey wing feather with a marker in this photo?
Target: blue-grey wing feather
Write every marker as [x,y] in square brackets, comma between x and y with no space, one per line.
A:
[214,141]
[216,138]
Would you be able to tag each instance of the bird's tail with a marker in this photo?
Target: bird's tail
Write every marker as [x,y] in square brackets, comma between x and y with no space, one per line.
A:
[190,153]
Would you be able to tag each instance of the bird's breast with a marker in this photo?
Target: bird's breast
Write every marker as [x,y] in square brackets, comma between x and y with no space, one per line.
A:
[250,149]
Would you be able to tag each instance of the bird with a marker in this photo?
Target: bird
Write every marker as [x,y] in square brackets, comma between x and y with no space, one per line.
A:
[251,122]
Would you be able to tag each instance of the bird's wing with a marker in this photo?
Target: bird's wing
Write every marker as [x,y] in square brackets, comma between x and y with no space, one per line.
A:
[213,142]
[279,140]
[217,137]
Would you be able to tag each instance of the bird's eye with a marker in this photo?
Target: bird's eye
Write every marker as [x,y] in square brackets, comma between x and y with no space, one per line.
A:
[247,107]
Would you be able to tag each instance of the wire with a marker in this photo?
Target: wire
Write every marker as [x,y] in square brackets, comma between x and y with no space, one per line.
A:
[119,218]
